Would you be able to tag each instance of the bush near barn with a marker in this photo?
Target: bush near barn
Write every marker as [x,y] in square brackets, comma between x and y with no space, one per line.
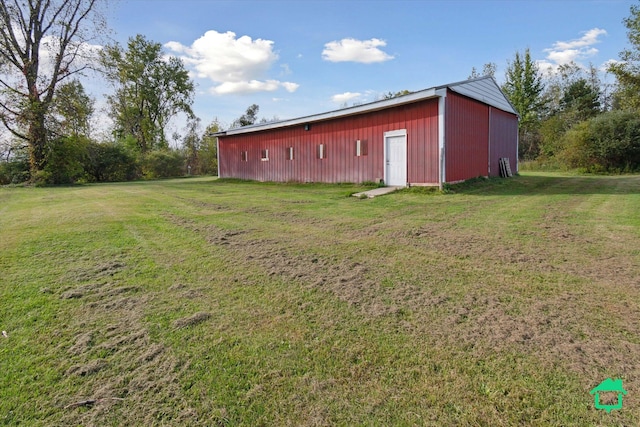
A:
[607,143]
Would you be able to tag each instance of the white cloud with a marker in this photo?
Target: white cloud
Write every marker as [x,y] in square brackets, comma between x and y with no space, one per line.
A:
[576,51]
[289,86]
[352,50]
[285,70]
[253,86]
[605,67]
[235,64]
[345,97]
[589,38]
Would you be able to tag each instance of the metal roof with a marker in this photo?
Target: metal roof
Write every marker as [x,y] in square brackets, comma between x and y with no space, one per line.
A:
[484,89]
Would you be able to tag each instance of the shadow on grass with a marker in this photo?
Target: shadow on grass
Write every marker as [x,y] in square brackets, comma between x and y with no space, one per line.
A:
[533,183]
[526,184]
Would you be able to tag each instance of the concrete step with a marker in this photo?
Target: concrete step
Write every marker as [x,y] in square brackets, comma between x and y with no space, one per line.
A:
[376,192]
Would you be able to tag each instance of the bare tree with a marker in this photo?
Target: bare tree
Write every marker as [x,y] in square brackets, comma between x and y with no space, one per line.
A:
[42,42]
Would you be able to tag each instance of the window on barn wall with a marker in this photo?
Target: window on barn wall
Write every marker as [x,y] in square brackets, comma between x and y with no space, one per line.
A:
[244,156]
[265,155]
[361,148]
[289,153]
[321,152]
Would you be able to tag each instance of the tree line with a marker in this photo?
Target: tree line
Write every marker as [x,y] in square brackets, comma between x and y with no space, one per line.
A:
[568,118]
[45,46]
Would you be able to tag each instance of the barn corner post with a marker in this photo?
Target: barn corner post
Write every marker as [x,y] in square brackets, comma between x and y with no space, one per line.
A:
[489,128]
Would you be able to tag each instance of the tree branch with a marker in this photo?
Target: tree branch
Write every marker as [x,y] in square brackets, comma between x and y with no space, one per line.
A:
[17,134]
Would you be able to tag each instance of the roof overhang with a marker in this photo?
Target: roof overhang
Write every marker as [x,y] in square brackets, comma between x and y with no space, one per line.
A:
[484,89]
[345,112]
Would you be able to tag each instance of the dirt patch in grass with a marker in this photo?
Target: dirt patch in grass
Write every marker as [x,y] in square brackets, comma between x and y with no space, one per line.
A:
[187,292]
[95,271]
[82,344]
[548,291]
[192,320]
[348,278]
[90,368]
[133,375]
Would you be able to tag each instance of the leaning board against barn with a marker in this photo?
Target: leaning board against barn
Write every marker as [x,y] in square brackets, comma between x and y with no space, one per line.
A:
[440,135]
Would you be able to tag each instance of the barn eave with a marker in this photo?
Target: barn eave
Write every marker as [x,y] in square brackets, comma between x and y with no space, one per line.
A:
[484,89]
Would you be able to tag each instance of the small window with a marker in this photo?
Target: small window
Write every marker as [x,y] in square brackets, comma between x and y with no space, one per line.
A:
[289,153]
[361,148]
[245,156]
[265,155]
[321,152]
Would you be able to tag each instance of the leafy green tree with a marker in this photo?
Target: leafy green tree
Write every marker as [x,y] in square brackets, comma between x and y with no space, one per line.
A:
[248,118]
[524,87]
[109,163]
[208,155]
[42,42]
[556,83]
[73,109]
[488,69]
[191,144]
[571,87]
[627,72]
[391,95]
[573,95]
[581,100]
[151,89]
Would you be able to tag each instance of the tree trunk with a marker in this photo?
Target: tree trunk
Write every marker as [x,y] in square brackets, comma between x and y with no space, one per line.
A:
[37,137]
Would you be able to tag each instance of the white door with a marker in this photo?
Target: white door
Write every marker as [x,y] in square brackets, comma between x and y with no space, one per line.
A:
[395,158]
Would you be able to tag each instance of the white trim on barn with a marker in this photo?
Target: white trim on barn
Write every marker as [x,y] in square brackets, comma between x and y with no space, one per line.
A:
[441,135]
[388,135]
[218,157]
[484,89]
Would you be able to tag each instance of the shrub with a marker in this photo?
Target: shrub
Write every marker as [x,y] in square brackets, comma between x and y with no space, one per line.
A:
[551,133]
[110,163]
[607,143]
[64,161]
[162,164]
[14,172]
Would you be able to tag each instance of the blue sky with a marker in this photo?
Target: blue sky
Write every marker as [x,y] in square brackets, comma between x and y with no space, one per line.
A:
[295,58]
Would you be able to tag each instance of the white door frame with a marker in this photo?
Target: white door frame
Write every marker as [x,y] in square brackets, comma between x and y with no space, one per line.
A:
[391,134]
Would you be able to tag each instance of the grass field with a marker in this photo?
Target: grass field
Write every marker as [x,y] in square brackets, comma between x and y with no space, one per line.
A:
[205,302]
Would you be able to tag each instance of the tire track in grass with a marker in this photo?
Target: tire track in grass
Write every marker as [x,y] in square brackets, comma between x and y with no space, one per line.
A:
[121,375]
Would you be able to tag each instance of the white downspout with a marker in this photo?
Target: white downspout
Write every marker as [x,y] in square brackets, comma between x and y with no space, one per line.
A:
[442,93]
[218,155]
[518,146]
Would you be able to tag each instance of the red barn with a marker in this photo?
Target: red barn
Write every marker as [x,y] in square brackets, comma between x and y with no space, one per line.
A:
[444,134]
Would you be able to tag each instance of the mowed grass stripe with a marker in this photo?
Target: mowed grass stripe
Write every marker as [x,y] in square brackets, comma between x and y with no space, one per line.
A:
[202,302]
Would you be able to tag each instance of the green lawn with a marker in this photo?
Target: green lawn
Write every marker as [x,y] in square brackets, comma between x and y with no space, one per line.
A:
[206,302]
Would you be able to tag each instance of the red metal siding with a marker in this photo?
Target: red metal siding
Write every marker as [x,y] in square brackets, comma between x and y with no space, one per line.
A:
[339,137]
[502,141]
[466,138]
